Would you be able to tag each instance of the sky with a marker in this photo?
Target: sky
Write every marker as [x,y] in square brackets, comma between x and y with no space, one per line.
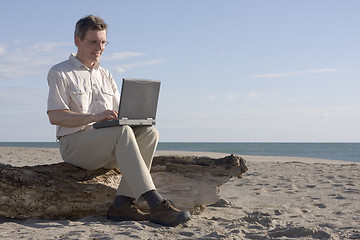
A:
[231,71]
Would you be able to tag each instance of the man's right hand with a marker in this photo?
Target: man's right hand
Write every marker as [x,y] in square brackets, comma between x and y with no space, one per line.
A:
[105,116]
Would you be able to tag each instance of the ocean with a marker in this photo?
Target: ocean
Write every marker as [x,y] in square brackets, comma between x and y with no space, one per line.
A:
[337,151]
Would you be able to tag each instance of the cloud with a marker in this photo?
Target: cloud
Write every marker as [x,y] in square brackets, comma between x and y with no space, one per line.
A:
[301,98]
[127,67]
[324,115]
[295,73]
[46,47]
[248,96]
[19,61]
[230,97]
[32,60]
[19,41]
[252,95]
[121,55]
[212,97]
[2,50]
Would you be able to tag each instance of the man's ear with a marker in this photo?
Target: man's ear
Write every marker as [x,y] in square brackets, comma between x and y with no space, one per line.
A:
[76,40]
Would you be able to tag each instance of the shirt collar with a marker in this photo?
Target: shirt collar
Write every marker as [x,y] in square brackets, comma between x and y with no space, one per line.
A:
[78,64]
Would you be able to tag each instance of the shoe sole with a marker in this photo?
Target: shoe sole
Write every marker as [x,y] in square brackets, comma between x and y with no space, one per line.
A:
[121,219]
[182,218]
[117,219]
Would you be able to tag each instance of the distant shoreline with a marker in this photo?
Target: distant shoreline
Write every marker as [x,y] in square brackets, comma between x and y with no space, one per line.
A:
[17,156]
[349,152]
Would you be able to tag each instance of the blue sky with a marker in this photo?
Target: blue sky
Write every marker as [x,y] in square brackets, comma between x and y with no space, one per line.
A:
[231,71]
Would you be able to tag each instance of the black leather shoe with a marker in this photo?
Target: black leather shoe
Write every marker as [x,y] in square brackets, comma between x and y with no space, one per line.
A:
[128,211]
[166,214]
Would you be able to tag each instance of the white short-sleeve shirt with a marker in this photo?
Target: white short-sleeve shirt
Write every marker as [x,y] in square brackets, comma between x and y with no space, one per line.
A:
[75,87]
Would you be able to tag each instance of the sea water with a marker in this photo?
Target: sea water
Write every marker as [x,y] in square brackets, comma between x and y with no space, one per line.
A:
[336,151]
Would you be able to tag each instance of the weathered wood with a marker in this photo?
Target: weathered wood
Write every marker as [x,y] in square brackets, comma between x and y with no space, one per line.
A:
[63,191]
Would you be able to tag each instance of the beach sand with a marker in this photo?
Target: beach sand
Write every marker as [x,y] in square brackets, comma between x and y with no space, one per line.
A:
[278,198]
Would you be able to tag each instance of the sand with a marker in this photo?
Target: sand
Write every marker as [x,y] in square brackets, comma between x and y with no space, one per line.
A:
[278,198]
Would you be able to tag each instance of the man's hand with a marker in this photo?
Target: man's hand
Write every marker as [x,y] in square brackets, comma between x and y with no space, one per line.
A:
[68,118]
[104,116]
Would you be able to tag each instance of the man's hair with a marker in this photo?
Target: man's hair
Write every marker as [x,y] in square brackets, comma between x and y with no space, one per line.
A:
[89,22]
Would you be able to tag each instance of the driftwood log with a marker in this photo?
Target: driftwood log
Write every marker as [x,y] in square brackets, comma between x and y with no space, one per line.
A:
[63,191]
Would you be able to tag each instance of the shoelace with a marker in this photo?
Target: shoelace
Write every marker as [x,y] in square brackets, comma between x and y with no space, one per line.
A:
[168,203]
[134,205]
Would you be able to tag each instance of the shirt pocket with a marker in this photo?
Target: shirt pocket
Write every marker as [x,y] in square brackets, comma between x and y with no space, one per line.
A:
[107,95]
[80,98]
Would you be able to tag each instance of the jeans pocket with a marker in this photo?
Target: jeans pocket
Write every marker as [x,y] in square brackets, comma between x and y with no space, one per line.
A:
[63,146]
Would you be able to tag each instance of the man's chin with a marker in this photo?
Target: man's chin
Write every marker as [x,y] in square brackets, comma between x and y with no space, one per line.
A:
[96,57]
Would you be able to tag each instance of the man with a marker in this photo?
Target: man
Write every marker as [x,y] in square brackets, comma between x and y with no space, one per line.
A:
[81,93]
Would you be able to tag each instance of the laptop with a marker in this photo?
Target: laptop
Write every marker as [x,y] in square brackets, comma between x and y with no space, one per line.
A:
[138,104]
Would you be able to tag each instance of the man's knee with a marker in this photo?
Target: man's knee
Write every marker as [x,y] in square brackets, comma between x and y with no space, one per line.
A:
[147,132]
[154,132]
[125,129]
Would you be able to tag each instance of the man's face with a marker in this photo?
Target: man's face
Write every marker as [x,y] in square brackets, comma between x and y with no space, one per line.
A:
[91,48]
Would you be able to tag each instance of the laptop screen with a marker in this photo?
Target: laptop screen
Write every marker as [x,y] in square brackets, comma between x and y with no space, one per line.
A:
[139,99]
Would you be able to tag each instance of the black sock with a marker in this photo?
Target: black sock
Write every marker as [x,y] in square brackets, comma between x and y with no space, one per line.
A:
[152,198]
[121,199]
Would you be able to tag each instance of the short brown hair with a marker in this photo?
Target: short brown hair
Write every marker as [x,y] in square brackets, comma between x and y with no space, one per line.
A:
[89,22]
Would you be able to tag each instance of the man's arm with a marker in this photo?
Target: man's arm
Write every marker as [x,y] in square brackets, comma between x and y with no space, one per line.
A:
[68,118]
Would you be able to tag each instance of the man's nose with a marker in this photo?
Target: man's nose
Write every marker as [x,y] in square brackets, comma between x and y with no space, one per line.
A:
[100,46]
